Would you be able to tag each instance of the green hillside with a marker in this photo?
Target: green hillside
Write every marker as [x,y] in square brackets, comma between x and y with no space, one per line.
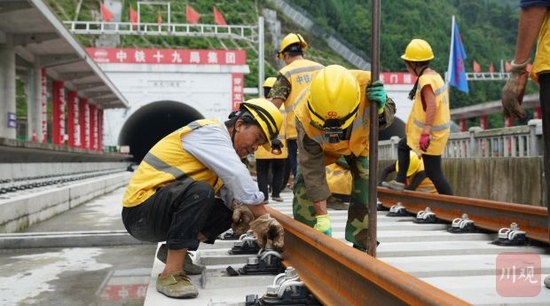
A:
[487,27]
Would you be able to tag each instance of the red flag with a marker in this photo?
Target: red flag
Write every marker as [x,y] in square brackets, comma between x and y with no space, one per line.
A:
[159,18]
[218,17]
[192,15]
[106,14]
[491,68]
[133,17]
[477,68]
[507,66]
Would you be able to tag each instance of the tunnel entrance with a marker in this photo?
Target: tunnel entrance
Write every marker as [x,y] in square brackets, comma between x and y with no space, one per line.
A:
[151,123]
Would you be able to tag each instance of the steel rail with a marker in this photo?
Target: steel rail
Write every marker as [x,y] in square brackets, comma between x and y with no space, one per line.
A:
[486,214]
[338,274]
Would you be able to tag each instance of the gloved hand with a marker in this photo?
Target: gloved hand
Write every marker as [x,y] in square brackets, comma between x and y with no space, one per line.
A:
[424,142]
[266,228]
[377,93]
[323,225]
[513,90]
[242,216]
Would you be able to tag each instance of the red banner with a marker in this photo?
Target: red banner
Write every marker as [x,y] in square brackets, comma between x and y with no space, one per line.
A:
[72,119]
[84,124]
[100,130]
[93,127]
[58,113]
[167,56]
[397,78]
[44,106]
[237,90]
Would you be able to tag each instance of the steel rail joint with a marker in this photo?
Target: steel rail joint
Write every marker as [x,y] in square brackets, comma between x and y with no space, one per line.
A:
[338,274]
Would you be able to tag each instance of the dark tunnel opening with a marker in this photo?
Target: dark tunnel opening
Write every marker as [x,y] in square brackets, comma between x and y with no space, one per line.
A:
[151,123]
[155,120]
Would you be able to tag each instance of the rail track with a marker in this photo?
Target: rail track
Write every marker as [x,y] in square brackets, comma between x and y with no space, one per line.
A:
[416,264]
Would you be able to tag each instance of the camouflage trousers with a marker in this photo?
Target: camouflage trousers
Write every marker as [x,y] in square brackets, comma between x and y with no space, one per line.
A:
[357,224]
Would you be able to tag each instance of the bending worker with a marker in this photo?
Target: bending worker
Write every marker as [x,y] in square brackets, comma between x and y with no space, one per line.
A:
[416,175]
[332,119]
[172,196]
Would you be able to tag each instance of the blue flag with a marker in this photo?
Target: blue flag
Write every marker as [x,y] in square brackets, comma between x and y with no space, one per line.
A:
[458,55]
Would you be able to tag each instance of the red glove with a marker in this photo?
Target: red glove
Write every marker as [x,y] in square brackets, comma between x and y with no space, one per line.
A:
[424,142]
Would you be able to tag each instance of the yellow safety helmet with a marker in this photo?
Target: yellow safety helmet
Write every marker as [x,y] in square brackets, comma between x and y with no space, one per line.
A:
[267,115]
[291,42]
[268,83]
[418,50]
[414,164]
[333,100]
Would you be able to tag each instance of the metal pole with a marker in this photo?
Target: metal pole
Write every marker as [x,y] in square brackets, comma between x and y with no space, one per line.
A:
[373,138]
[261,54]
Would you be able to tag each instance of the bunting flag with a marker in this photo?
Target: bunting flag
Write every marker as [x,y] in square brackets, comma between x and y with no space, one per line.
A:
[456,61]
[159,19]
[192,15]
[477,68]
[134,19]
[218,17]
[491,68]
[106,13]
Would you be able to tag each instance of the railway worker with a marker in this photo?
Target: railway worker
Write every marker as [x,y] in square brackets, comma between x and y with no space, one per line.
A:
[291,80]
[192,186]
[533,25]
[270,165]
[416,175]
[332,119]
[429,124]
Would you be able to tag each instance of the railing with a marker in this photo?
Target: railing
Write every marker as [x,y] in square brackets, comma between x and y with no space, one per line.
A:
[517,141]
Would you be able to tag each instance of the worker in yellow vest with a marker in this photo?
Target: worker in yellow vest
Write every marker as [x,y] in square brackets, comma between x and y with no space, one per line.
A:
[332,120]
[291,80]
[192,186]
[429,124]
[416,176]
[270,165]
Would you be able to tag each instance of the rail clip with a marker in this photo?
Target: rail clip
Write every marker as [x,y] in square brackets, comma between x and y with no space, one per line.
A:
[267,261]
[511,236]
[398,210]
[287,289]
[425,216]
[379,206]
[462,225]
[245,245]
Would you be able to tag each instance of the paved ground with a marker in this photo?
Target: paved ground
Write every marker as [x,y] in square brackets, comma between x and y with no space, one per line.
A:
[87,269]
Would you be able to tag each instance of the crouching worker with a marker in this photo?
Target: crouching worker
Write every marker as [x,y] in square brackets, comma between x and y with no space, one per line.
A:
[333,119]
[192,186]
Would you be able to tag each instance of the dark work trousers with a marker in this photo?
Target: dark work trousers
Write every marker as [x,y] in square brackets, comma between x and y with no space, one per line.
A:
[432,166]
[277,167]
[544,82]
[292,155]
[176,214]
[286,175]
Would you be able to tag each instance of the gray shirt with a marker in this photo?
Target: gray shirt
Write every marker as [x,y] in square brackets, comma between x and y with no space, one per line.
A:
[212,146]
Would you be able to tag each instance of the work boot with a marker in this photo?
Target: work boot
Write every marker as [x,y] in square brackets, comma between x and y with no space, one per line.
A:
[394,185]
[189,266]
[176,285]
[277,199]
[336,204]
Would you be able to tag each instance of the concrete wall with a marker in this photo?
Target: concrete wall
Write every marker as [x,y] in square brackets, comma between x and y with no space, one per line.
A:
[25,210]
[503,179]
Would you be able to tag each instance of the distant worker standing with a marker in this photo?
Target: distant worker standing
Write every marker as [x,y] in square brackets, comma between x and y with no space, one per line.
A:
[416,176]
[192,186]
[429,124]
[534,23]
[291,80]
[270,165]
[333,119]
